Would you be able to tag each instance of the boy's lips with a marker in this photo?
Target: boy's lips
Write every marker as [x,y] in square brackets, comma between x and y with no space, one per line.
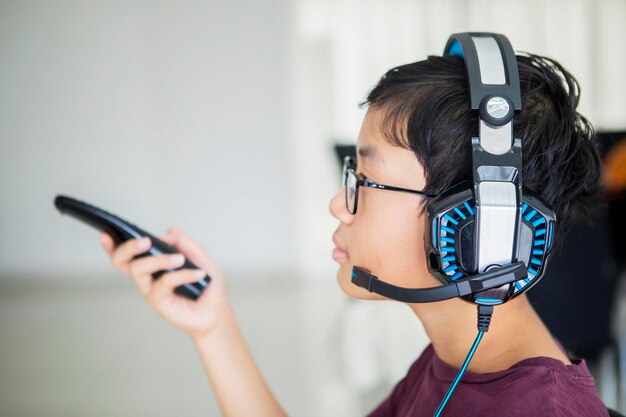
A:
[339,253]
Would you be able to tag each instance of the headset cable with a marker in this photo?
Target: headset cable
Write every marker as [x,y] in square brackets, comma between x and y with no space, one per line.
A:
[484,319]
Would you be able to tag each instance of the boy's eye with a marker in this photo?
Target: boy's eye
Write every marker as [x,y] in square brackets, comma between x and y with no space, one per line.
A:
[366,178]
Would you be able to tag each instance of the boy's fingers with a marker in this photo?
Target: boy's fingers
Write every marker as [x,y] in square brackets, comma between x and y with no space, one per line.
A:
[151,264]
[165,285]
[128,250]
[169,239]
[107,242]
[187,245]
[192,249]
[144,283]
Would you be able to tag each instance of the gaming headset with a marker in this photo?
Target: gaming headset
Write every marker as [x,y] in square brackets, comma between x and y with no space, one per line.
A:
[489,239]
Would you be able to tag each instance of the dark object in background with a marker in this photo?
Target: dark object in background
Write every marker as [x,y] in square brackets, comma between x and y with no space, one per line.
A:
[577,294]
[575,297]
[614,155]
[617,216]
[341,151]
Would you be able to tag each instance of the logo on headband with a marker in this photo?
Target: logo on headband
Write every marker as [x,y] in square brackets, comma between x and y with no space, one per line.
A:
[497,107]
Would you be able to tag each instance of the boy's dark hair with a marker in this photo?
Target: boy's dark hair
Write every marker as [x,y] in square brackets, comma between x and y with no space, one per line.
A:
[425,108]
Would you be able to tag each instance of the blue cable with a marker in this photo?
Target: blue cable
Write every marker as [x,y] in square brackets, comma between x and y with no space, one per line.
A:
[459,374]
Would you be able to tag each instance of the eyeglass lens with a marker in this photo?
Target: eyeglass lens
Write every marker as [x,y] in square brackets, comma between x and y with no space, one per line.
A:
[350,181]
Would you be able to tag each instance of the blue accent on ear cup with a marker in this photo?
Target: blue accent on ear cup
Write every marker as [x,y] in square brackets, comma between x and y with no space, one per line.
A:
[457,275]
[530,215]
[447,229]
[448,233]
[539,221]
[550,239]
[485,300]
[537,216]
[447,216]
[455,49]
[538,251]
[434,233]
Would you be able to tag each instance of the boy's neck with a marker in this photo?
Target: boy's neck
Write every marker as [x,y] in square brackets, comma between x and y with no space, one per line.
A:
[516,333]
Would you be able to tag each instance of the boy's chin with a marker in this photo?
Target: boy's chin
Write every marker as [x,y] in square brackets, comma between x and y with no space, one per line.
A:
[344,279]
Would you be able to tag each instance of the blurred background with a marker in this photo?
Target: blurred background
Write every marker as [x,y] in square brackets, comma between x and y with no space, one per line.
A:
[222,118]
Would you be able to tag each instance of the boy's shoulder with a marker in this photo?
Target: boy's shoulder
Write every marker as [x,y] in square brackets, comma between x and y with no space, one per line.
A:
[533,386]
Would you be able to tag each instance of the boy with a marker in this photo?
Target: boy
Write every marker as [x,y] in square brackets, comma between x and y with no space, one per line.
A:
[415,135]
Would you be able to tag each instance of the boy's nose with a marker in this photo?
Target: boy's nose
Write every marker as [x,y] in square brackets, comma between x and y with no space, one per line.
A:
[338,207]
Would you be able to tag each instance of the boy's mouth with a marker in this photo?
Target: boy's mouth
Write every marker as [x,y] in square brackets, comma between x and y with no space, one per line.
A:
[339,253]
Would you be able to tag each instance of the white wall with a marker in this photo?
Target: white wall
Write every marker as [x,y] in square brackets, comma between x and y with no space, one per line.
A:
[219,116]
[165,113]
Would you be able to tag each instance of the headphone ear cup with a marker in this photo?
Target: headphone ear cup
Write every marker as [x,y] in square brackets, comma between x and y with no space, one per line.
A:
[466,247]
[538,224]
[450,244]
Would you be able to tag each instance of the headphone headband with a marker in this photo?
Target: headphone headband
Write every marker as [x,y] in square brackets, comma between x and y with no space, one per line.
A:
[497,160]
[490,63]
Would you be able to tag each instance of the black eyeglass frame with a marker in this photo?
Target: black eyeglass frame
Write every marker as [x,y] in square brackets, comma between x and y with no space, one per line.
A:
[349,166]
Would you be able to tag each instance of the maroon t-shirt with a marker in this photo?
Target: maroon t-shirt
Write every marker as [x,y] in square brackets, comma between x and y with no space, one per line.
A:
[539,386]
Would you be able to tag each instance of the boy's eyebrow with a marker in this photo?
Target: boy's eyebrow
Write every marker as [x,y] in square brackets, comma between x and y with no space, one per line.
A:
[369,152]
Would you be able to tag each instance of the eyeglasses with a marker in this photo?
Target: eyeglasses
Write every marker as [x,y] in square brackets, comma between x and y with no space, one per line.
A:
[352,183]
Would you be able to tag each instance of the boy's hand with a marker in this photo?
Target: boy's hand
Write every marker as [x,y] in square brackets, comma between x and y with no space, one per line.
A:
[199,317]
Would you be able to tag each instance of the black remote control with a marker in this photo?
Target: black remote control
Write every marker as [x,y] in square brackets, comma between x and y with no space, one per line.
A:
[121,231]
